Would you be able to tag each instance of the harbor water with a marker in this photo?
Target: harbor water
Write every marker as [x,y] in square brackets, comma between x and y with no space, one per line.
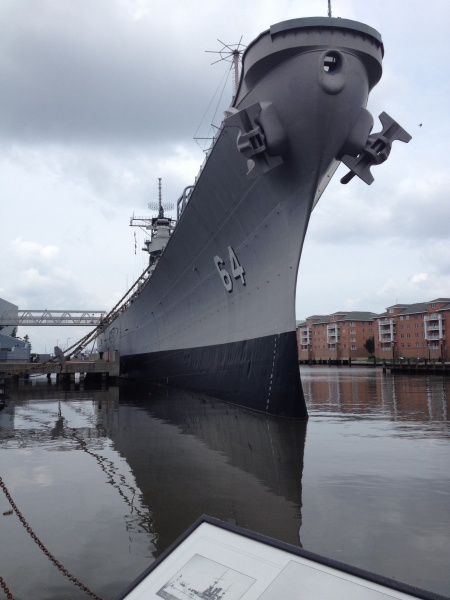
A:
[107,479]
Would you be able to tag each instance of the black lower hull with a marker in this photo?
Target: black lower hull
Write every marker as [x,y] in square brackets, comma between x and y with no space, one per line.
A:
[261,374]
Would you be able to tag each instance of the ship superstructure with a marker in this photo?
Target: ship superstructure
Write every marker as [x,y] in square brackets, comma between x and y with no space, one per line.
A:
[159,230]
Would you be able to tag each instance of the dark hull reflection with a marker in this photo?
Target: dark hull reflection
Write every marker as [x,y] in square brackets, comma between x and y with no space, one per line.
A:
[191,455]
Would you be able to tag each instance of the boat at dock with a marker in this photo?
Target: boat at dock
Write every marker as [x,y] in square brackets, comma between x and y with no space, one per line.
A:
[214,312]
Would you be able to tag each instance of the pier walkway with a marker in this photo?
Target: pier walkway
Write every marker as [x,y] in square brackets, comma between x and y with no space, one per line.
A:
[106,369]
[55,318]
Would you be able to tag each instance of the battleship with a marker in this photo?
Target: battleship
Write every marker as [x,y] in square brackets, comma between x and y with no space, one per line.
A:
[214,312]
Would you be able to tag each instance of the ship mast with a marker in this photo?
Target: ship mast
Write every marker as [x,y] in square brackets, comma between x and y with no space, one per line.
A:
[161,209]
[236,56]
[231,53]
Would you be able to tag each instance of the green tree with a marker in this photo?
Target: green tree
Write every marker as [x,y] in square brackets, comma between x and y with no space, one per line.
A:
[370,345]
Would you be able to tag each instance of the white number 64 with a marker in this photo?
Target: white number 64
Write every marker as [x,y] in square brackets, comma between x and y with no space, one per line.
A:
[237,270]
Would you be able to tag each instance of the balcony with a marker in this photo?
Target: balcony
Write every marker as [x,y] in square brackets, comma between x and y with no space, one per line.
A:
[386,322]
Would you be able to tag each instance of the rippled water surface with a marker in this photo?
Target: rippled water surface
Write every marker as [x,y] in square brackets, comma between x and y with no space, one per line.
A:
[108,479]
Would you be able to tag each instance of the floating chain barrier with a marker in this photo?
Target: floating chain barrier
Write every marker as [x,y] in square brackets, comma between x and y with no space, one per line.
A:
[5,589]
[49,555]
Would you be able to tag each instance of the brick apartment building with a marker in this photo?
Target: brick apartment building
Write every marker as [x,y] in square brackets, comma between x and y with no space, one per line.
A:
[337,337]
[414,331]
[404,331]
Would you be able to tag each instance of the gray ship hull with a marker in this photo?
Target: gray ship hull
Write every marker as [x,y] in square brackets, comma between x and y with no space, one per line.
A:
[217,315]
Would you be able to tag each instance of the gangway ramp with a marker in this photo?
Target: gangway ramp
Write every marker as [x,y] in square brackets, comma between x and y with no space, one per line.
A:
[71,318]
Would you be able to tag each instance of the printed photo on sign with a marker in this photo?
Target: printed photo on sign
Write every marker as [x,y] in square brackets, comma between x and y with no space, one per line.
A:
[205,579]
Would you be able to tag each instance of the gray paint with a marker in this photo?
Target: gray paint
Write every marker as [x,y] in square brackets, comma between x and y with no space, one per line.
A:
[309,113]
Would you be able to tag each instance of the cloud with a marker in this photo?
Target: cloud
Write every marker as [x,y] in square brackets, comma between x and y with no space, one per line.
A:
[410,209]
[33,251]
[419,278]
[90,74]
[33,289]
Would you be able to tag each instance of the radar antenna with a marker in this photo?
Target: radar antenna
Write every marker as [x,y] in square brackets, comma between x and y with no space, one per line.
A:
[159,206]
[230,53]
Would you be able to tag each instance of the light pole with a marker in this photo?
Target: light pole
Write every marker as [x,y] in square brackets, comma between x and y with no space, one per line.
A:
[67,344]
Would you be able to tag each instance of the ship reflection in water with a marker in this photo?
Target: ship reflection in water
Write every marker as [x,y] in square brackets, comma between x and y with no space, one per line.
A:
[192,455]
[109,479]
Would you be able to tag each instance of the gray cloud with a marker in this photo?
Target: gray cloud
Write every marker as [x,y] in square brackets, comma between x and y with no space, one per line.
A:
[91,72]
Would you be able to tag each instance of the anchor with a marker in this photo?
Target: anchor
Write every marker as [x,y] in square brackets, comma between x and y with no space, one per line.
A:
[376,150]
[262,138]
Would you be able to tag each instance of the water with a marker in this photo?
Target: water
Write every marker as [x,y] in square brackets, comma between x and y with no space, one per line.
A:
[109,479]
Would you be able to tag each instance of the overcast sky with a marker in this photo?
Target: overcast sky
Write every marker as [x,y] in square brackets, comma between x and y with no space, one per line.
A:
[99,98]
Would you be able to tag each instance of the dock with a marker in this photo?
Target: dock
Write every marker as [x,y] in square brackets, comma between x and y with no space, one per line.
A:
[105,370]
[424,368]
